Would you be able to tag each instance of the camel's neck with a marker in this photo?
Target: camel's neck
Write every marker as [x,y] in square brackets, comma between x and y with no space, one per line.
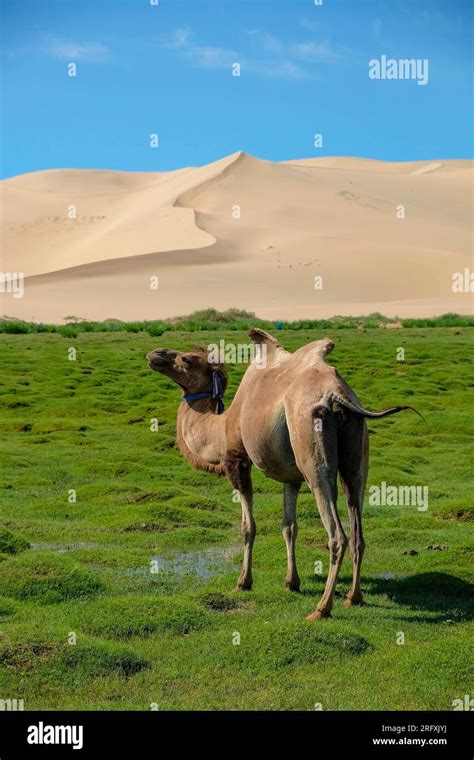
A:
[200,435]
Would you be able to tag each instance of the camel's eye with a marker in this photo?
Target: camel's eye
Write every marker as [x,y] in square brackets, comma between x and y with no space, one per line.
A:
[187,361]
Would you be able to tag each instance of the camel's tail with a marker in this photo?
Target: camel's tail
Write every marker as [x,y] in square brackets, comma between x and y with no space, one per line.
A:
[357,409]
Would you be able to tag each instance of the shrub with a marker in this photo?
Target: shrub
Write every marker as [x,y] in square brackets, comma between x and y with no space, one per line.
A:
[11,543]
[230,319]
[68,331]
[15,328]
[47,579]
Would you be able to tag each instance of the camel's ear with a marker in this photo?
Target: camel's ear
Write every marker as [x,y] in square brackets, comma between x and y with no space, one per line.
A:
[318,350]
[327,346]
[198,349]
[260,336]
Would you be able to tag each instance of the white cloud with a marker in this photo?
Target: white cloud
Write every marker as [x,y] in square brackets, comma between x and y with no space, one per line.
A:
[315,51]
[281,69]
[75,51]
[202,56]
[208,57]
[268,42]
[269,55]
[180,39]
[63,49]
[290,53]
[307,24]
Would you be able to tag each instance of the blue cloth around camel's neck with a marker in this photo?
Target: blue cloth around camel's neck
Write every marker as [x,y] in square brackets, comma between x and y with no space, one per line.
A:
[217,392]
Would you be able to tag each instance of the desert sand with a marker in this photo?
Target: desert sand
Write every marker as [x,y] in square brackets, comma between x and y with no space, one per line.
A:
[240,232]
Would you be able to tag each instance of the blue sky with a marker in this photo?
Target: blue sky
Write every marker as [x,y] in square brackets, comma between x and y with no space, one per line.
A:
[166,69]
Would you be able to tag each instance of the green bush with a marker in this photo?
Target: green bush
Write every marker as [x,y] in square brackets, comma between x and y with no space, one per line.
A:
[103,659]
[133,327]
[68,331]
[231,319]
[15,328]
[46,578]
[155,329]
[11,543]
[124,617]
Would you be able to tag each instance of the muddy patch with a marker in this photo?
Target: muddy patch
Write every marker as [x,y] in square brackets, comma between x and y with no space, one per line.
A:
[26,656]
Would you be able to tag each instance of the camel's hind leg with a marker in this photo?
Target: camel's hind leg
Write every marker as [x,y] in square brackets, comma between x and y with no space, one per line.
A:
[325,491]
[314,441]
[353,467]
[290,531]
[238,472]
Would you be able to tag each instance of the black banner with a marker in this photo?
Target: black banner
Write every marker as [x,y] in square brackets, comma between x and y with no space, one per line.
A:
[378,734]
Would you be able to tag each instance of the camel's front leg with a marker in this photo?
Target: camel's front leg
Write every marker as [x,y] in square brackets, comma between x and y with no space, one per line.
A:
[238,472]
[290,531]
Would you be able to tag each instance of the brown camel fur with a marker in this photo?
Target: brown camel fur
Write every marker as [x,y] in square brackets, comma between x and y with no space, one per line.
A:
[295,419]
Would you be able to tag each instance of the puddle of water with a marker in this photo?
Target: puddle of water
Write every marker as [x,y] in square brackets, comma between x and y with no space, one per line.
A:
[204,563]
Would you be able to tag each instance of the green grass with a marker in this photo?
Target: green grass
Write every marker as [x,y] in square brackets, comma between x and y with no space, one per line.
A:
[232,319]
[79,570]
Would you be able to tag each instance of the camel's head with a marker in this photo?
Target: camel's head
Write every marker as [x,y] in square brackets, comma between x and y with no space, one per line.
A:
[191,370]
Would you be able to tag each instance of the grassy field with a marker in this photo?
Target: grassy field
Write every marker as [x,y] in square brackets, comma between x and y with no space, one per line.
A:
[85,624]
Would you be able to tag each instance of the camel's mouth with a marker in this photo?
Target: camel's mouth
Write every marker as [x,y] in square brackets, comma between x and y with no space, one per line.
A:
[158,360]
[157,364]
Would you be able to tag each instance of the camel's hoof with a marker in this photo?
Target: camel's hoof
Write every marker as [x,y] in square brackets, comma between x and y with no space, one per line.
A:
[348,602]
[319,615]
[293,586]
[243,587]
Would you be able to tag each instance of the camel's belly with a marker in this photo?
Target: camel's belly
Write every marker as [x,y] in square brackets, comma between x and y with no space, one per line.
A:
[269,448]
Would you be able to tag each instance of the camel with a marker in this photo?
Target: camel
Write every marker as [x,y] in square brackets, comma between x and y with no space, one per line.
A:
[296,420]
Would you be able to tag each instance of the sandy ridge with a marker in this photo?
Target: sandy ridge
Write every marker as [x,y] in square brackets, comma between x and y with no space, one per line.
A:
[333,218]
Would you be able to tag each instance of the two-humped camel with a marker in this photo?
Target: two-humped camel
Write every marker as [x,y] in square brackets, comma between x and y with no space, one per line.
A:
[295,419]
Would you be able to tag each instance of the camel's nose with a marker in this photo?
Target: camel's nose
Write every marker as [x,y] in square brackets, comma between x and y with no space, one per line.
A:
[157,358]
[158,353]
[160,357]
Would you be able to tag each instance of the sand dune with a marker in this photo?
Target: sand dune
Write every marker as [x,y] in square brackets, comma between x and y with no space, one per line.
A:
[240,232]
